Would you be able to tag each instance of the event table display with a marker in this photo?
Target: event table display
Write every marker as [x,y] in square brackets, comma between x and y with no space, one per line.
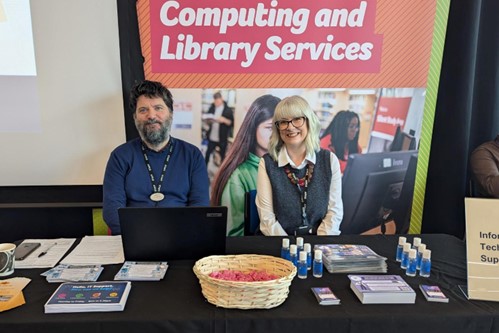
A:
[175,304]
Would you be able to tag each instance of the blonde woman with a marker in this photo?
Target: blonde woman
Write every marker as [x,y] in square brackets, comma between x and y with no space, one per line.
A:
[298,184]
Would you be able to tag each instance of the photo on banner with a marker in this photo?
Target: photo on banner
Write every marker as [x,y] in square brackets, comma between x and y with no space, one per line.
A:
[369,69]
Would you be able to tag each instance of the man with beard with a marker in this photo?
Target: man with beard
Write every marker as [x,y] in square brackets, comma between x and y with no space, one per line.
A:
[155,170]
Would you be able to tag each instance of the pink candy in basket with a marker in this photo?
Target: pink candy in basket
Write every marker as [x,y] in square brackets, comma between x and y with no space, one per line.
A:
[242,294]
[251,276]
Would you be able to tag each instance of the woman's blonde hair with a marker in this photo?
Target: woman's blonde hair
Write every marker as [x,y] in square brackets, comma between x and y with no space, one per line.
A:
[293,107]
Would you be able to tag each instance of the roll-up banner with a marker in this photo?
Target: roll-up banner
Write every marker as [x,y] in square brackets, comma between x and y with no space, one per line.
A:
[372,64]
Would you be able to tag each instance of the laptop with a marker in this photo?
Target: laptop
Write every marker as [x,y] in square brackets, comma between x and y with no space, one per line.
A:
[177,233]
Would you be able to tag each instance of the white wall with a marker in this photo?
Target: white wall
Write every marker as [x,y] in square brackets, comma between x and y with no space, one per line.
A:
[80,97]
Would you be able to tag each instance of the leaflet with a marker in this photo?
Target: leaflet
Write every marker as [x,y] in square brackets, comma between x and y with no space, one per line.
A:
[73,273]
[47,255]
[97,250]
[142,271]
[11,294]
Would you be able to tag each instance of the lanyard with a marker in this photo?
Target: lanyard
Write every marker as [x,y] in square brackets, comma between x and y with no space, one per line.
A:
[303,190]
[156,186]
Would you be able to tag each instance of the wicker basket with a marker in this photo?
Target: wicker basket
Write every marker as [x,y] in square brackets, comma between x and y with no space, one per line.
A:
[241,294]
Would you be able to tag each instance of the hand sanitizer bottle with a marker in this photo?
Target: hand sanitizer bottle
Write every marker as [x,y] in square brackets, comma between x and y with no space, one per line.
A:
[317,265]
[421,249]
[302,265]
[416,241]
[413,261]
[425,269]
[400,248]
[285,249]
[308,248]
[299,243]
[293,254]
[405,256]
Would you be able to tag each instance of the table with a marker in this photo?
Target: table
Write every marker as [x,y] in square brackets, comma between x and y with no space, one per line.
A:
[175,304]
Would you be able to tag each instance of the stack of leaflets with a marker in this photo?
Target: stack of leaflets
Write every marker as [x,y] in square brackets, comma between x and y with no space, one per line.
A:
[348,258]
[325,296]
[382,289]
[11,292]
[73,273]
[433,294]
[89,297]
[142,271]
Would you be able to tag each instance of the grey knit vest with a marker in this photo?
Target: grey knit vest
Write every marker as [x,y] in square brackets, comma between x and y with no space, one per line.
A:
[286,197]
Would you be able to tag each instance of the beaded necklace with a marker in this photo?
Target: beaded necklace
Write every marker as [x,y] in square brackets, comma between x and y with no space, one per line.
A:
[300,181]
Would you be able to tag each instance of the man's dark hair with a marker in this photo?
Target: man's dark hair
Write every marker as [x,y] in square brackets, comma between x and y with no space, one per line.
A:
[151,89]
[217,95]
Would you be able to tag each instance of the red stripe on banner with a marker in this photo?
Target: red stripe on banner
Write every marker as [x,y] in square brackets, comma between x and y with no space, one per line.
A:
[406,28]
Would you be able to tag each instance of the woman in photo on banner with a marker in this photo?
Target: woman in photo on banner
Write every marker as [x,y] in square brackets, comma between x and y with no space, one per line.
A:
[342,136]
[237,174]
[299,184]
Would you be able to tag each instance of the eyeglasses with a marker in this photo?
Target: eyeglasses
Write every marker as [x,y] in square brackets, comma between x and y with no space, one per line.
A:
[353,127]
[284,124]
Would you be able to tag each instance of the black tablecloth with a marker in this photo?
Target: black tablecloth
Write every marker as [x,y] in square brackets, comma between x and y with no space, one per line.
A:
[176,304]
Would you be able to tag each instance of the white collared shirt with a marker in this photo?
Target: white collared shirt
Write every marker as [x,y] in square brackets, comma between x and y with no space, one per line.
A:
[269,226]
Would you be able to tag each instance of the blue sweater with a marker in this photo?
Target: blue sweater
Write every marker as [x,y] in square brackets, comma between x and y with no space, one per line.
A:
[127,182]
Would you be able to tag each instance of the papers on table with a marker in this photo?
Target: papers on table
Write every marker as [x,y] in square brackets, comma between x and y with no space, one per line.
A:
[11,294]
[97,250]
[351,258]
[382,289]
[54,250]
[325,296]
[433,293]
[142,271]
[89,297]
[92,250]
[70,273]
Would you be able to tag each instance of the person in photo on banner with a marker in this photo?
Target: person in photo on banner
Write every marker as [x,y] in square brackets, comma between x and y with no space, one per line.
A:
[220,126]
[155,170]
[237,174]
[485,168]
[298,184]
[342,136]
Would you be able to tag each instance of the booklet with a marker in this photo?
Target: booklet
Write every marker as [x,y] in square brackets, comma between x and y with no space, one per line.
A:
[142,271]
[382,289]
[89,297]
[433,293]
[351,258]
[325,296]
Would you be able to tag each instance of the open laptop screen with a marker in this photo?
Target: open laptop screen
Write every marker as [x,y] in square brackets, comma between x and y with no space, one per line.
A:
[161,234]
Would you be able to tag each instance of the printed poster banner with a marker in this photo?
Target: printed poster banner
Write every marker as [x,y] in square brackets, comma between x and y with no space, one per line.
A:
[366,57]
[283,44]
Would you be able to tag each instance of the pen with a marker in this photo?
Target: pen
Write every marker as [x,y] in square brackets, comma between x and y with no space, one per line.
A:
[46,250]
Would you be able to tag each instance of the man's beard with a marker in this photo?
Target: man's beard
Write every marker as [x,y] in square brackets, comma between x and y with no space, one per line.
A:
[154,137]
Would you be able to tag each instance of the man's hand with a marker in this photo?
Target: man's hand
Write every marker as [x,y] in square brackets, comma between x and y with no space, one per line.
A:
[225,121]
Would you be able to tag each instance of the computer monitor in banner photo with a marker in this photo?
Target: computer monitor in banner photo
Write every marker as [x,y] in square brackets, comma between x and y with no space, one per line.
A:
[376,187]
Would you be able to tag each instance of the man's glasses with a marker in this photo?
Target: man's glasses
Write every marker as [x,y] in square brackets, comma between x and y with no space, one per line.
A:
[296,122]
